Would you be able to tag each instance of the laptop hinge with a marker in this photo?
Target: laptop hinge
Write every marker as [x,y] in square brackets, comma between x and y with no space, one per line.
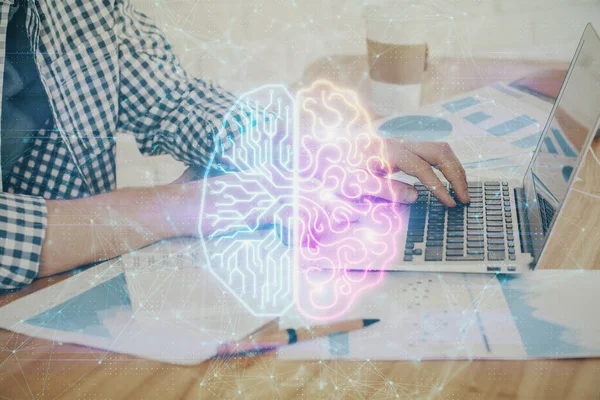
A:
[524,236]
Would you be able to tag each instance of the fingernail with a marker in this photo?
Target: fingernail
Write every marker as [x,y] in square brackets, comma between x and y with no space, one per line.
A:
[410,195]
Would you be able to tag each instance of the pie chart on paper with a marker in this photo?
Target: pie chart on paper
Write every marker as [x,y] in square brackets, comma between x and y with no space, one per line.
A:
[417,128]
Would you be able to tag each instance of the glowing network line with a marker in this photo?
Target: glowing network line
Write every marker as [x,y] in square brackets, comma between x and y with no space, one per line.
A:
[296,205]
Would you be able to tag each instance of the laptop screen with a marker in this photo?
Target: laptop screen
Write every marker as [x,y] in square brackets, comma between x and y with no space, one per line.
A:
[566,135]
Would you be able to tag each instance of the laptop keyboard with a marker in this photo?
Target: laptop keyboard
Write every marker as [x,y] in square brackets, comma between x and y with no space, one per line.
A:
[479,231]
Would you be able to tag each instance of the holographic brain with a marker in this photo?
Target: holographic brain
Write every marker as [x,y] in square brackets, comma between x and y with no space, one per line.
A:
[299,203]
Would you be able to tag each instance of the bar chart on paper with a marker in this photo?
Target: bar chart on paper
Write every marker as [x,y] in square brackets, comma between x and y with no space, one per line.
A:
[467,316]
[493,130]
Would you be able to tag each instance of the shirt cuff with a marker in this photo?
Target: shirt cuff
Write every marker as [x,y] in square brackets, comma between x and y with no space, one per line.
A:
[23,221]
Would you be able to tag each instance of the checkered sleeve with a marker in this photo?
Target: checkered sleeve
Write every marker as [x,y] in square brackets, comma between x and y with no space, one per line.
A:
[165,109]
[22,227]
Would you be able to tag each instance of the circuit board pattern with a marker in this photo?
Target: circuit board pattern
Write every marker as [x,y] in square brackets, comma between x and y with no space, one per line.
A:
[250,204]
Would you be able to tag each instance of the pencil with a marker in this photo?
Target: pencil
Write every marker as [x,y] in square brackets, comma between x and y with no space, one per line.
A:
[277,339]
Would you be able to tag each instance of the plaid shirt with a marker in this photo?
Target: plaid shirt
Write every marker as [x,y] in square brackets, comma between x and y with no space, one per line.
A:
[106,68]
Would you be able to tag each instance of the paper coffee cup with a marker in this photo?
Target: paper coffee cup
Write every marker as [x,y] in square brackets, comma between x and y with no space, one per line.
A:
[397,54]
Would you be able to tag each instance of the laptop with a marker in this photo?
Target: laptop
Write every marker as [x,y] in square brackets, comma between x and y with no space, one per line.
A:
[506,226]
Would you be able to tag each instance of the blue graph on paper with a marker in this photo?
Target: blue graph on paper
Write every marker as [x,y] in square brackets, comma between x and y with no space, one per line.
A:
[478,117]
[461,104]
[512,125]
[541,338]
[528,141]
[417,127]
[85,312]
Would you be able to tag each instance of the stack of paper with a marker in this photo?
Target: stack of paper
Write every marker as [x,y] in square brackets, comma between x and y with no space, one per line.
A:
[544,314]
[155,303]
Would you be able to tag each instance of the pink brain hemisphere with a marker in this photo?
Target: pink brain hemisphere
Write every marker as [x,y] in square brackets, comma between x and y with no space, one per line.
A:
[343,223]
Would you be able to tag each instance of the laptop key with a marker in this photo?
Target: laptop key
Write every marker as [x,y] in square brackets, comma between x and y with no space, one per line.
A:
[492,212]
[460,239]
[495,247]
[418,252]
[434,243]
[475,234]
[468,257]
[454,252]
[492,234]
[455,223]
[473,239]
[434,253]
[454,246]
[408,258]
[437,217]
[494,223]
[476,251]
[496,256]
[474,227]
[475,245]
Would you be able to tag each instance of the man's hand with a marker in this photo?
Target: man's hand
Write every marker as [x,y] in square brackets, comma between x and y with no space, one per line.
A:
[419,158]
[192,173]
[413,158]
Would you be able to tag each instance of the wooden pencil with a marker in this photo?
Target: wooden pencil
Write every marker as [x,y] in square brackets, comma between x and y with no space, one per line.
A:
[280,338]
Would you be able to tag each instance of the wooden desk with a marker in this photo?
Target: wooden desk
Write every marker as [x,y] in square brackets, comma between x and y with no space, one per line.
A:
[44,369]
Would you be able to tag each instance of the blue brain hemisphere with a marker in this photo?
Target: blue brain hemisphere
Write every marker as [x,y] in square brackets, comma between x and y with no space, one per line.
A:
[254,202]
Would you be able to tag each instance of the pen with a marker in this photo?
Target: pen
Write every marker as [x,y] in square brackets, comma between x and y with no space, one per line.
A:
[270,341]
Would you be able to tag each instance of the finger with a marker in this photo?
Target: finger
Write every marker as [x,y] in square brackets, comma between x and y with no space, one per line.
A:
[390,190]
[362,184]
[442,157]
[186,176]
[413,165]
[190,174]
